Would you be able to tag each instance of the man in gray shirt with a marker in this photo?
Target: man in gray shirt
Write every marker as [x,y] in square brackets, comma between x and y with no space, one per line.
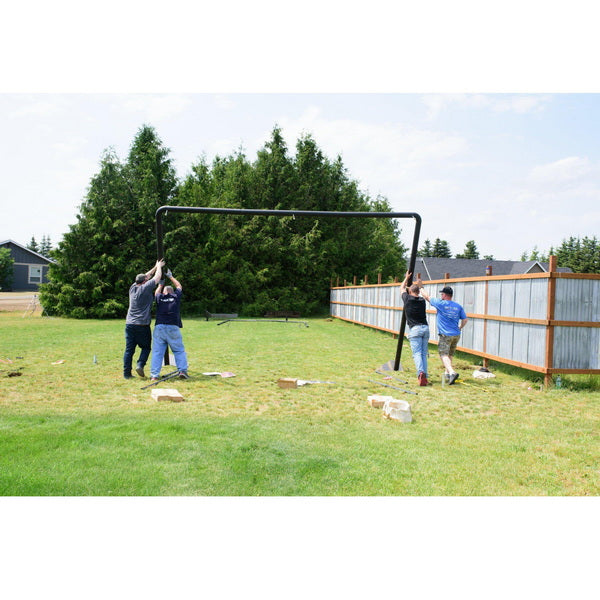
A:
[137,323]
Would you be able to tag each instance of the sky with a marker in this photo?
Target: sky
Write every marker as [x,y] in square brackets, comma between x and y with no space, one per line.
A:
[511,171]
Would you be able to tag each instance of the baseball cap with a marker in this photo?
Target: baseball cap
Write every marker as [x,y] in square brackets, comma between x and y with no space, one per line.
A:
[447,290]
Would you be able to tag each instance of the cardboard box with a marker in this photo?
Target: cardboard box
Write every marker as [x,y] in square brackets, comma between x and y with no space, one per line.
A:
[166,394]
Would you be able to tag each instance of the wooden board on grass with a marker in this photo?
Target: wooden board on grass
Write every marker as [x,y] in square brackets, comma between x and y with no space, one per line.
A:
[166,394]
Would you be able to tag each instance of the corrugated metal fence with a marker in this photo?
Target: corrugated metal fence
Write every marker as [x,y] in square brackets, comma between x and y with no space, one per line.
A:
[545,322]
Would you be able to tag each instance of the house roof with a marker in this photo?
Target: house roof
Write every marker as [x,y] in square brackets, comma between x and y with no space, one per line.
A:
[6,242]
[436,268]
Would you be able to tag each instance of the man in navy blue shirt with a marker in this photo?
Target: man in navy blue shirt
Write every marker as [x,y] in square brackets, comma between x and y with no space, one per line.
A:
[451,318]
[167,329]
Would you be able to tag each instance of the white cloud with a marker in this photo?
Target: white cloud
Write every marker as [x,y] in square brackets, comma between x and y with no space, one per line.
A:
[71,145]
[393,144]
[155,108]
[225,102]
[564,170]
[518,103]
[36,108]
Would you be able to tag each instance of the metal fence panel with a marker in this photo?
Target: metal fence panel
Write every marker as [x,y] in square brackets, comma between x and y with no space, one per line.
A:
[576,348]
[576,300]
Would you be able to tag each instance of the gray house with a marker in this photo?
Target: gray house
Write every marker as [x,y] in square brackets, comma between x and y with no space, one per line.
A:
[29,269]
[459,268]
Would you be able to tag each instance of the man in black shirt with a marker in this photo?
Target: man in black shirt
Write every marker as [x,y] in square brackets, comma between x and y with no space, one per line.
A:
[418,329]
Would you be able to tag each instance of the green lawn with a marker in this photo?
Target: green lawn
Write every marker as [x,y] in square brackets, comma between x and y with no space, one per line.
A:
[77,428]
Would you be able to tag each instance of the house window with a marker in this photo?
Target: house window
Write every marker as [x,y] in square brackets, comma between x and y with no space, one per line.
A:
[35,274]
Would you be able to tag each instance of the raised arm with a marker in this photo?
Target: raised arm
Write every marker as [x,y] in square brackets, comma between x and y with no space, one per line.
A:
[423,293]
[405,282]
[158,270]
[173,280]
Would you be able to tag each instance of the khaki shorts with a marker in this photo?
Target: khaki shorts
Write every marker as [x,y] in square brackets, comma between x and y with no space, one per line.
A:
[447,344]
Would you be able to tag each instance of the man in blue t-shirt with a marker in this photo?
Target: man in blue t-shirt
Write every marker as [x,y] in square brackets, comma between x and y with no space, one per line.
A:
[167,329]
[451,318]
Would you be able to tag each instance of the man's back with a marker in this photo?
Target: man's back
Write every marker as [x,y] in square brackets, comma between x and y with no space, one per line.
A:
[449,313]
[140,303]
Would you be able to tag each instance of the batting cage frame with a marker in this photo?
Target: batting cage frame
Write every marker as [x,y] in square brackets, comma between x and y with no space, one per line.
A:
[163,210]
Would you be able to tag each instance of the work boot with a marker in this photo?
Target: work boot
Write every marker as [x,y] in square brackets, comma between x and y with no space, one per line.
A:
[422,379]
[140,370]
[128,375]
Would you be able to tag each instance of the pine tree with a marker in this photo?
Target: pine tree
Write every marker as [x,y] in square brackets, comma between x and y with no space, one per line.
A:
[33,245]
[441,249]
[470,251]
[45,246]
[113,238]
[426,250]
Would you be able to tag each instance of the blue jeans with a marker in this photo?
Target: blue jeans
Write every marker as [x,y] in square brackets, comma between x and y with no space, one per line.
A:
[418,336]
[136,335]
[167,335]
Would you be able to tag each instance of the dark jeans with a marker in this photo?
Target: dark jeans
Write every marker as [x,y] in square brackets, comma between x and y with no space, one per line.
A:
[136,335]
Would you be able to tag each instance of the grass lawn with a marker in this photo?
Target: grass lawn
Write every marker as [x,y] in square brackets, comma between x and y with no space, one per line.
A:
[77,428]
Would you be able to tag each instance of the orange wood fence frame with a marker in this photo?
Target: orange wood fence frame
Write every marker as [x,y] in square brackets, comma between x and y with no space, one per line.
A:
[550,323]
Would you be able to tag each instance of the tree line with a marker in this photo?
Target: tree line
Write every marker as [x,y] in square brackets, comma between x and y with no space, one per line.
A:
[441,249]
[226,263]
[581,255]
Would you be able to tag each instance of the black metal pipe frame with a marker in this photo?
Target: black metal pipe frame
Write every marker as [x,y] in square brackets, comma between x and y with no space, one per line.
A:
[163,210]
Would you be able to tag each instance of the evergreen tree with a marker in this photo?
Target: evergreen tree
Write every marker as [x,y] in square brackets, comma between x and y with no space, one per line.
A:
[33,245]
[258,263]
[113,238]
[470,251]
[441,249]
[426,250]
[580,255]
[45,246]
[535,254]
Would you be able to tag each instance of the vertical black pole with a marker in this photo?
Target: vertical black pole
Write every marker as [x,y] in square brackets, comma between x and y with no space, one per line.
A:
[160,253]
[411,269]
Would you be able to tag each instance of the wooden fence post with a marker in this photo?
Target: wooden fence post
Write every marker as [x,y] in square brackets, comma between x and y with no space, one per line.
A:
[488,272]
[550,312]
[378,278]
[354,280]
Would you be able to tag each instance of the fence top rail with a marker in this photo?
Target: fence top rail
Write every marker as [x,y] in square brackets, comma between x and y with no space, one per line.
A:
[549,275]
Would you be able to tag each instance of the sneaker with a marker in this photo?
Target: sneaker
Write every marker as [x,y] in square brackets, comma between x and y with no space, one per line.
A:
[140,370]
[183,375]
[423,379]
[154,379]
[453,378]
